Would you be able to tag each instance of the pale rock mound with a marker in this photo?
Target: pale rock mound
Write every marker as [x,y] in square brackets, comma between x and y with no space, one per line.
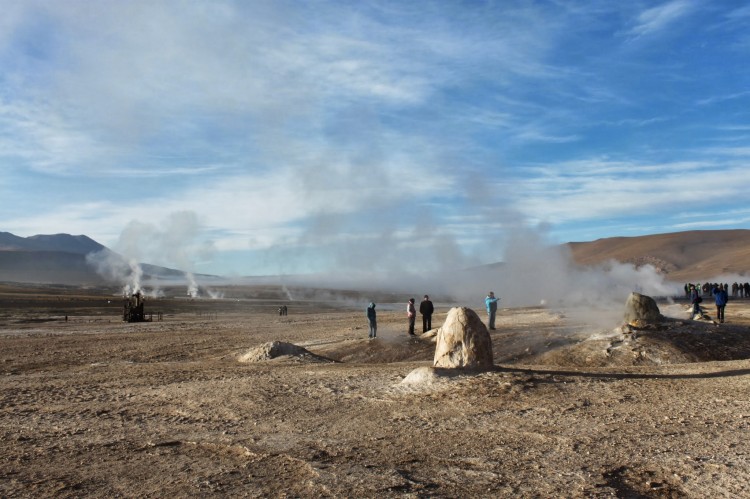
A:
[274,349]
[421,375]
[428,375]
[641,310]
[463,341]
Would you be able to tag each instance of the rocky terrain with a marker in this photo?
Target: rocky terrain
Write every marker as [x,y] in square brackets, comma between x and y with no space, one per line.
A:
[199,404]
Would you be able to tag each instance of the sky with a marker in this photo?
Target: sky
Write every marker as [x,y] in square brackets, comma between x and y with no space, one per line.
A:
[247,138]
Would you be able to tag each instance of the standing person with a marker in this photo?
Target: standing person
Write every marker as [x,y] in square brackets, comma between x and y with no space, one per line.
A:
[426,309]
[411,313]
[371,318]
[721,298]
[491,303]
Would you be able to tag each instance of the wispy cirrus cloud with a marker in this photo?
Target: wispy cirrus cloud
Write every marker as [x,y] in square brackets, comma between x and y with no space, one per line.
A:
[722,98]
[657,19]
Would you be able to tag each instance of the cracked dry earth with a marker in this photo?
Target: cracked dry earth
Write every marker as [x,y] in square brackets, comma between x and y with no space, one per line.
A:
[98,408]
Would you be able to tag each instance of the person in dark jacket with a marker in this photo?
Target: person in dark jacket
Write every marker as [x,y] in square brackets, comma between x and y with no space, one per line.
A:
[426,309]
[721,298]
[372,320]
[695,299]
[490,303]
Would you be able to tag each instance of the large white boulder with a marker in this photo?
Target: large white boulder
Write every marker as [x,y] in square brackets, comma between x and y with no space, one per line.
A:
[463,341]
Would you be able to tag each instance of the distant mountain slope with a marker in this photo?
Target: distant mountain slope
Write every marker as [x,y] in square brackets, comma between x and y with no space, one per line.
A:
[60,259]
[47,267]
[696,255]
[80,245]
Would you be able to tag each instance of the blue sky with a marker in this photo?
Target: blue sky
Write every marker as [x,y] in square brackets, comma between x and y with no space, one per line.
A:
[254,137]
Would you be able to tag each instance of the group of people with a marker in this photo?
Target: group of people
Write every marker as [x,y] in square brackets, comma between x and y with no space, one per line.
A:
[739,289]
[721,297]
[426,309]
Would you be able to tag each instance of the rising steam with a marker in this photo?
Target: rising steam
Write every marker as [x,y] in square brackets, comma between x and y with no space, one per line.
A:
[173,243]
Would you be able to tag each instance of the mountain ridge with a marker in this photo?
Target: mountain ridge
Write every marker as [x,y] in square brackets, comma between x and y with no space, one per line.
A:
[697,255]
[49,242]
[62,259]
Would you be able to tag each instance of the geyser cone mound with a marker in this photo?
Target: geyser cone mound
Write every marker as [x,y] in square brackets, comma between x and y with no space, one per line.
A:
[673,342]
[647,338]
[279,349]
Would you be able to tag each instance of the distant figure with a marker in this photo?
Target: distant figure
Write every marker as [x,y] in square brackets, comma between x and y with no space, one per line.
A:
[426,309]
[491,304]
[372,319]
[411,313]
[721,298]
[286,310]
[281,311]
[695,299]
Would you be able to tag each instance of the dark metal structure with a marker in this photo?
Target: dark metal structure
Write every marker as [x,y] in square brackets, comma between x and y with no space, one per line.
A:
[133,310]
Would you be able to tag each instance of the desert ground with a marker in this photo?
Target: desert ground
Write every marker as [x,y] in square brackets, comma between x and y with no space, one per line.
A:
[189,405]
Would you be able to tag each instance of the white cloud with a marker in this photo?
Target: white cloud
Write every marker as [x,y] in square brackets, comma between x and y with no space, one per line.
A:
[598,190]
[722,98]
[659,18]
[282,124]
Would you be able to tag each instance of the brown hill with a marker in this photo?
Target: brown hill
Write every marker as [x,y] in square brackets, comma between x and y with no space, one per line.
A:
[697,255]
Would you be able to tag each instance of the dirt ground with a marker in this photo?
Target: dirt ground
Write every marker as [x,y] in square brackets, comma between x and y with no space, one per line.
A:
[91,406]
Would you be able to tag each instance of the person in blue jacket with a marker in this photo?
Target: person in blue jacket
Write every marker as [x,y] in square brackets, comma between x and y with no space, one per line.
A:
[720,297]
[491,303]
[372,320]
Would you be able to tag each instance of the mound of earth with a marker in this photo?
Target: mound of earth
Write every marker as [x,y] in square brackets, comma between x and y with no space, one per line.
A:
[276,349]
[383,350]
[670,342]
[430,375]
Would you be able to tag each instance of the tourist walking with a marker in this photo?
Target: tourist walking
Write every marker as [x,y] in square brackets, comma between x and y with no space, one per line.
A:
[426,309]
[411,313]
[372,320]
[721,298]
[695,299]
[491,303]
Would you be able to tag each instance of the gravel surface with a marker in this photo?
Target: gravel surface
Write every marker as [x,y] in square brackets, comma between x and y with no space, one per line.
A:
[96,407]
